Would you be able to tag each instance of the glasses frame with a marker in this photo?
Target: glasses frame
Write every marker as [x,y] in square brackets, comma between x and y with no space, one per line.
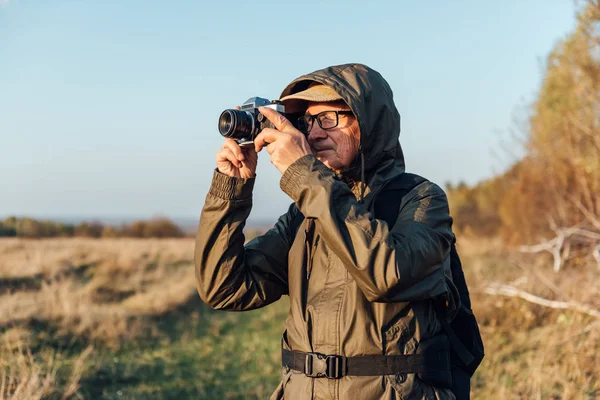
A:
[316,117]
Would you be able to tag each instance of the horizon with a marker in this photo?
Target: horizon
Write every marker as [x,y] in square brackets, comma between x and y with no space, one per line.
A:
[181,221]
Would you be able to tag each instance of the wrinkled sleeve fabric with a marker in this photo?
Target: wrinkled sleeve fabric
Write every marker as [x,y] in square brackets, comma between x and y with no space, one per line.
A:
[231,275]
[405,264]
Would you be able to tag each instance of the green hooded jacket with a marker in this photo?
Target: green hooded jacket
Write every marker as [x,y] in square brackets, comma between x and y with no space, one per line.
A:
[355,286]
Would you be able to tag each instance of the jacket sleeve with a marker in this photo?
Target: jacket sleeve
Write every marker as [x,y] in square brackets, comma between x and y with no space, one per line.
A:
[408,263]
[229,274]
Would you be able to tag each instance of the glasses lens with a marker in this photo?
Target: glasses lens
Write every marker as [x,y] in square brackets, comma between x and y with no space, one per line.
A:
[304,123]
[328,119]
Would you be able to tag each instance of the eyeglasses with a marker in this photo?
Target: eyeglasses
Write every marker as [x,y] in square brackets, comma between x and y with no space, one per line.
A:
[325,119]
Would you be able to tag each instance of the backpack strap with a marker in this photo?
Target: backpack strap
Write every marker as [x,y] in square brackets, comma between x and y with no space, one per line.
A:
[389,199]
[456,344]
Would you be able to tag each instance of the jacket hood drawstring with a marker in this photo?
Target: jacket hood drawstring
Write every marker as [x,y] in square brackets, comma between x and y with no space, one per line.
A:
[362,175]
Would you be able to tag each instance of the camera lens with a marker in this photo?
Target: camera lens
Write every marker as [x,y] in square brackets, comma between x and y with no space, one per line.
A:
[225,122]
[236,124]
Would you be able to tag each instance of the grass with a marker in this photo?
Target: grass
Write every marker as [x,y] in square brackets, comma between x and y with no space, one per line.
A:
[228,356]
[120,319]
[533,352]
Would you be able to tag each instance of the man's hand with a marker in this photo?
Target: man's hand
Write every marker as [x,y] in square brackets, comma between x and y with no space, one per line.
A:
[285,144]
[234,161]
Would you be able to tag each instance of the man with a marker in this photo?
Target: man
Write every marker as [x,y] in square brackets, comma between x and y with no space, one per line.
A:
[362,323]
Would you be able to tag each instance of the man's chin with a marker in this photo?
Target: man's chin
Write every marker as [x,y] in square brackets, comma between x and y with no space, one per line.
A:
[328,162]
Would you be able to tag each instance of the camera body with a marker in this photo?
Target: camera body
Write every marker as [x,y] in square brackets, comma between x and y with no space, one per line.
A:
[245,124]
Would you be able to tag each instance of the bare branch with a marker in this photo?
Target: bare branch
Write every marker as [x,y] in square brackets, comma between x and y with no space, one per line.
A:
[588,214]
[558,261]
[552,224]
[585,232]
[560,246]
[495,288]
[553,246]
[537,248]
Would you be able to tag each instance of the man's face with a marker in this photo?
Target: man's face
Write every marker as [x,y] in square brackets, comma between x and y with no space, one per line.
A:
[336,147]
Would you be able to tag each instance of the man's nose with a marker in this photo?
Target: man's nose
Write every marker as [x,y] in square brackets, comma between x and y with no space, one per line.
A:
[316,133]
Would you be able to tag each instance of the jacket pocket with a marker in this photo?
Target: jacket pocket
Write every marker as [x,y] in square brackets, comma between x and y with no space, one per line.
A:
[399,335]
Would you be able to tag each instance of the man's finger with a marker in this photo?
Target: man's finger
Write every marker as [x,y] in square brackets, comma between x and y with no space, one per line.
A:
[235,148]
[225,154]
[281,123]
[265,137]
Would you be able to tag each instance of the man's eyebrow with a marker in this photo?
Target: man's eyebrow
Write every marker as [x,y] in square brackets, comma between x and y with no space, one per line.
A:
[344,110]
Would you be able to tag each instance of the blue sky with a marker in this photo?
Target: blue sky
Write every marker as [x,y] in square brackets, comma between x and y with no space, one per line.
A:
[110,108]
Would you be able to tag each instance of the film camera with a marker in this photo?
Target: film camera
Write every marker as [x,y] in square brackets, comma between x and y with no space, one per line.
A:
[245,124]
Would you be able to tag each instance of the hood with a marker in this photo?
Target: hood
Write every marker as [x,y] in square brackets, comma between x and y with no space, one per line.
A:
[371,100]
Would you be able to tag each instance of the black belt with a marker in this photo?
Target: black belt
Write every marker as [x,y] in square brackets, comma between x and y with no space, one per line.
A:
[318,365]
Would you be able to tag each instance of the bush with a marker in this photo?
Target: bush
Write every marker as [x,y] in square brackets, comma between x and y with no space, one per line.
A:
[30,228]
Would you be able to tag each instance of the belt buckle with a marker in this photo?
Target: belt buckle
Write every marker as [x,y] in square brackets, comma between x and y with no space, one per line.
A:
[317,365]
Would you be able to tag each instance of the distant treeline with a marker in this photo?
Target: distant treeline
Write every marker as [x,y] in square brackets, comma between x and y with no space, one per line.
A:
[32,228]
[556,185]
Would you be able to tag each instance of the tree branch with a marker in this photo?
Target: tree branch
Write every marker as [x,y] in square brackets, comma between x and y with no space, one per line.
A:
[596,254]
[588,214]
[495,288]
[555,246]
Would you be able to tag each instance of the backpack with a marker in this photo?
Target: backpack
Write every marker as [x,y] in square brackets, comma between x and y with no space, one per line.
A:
[466,344]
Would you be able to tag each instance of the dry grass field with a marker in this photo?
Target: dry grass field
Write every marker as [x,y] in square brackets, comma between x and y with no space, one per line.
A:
[120,318]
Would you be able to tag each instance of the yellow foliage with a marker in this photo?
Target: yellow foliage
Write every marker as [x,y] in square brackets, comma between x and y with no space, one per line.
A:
[559,178]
